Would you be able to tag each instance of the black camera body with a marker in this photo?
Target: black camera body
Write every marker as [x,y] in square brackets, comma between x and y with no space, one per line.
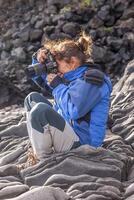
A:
[49,66]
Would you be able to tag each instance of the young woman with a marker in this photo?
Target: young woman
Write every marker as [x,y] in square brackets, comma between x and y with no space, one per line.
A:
[82,94]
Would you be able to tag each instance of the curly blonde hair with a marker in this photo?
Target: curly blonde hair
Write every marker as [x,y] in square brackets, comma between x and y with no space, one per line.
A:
[65,49]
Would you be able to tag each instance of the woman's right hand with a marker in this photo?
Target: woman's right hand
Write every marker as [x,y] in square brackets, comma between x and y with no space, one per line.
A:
[41,55]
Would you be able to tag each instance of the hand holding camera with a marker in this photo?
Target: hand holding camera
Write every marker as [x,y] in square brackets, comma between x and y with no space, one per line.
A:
[41,55]
[46,64]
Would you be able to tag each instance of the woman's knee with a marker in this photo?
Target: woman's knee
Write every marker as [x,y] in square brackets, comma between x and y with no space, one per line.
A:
[30,98]
[34,98]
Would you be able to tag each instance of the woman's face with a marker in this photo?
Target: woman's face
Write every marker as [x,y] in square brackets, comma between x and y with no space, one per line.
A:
[64,66]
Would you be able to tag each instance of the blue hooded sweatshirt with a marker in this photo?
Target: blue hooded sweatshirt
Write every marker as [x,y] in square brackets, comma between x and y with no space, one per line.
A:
[79,99]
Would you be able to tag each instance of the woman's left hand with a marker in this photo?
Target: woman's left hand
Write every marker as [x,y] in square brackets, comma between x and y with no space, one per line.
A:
[54,79]
[51,76]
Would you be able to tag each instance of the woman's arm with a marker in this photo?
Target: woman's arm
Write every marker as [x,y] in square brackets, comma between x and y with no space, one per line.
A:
[76,99]
[40,80]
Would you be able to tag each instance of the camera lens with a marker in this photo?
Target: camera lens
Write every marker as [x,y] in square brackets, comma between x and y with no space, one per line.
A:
[36,69]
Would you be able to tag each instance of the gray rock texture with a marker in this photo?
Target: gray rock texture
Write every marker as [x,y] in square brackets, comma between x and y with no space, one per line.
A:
[86,173]
[26,25]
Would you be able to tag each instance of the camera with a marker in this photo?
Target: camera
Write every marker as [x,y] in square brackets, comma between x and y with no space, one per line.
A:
[49,65]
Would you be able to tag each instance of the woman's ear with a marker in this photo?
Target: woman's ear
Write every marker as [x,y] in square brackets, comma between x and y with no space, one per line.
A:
[74,62]
[73,59]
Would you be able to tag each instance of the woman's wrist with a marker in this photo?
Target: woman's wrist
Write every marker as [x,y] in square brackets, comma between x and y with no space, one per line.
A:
[56,81]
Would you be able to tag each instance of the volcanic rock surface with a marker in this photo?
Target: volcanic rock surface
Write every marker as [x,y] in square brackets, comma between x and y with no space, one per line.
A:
[26,24]
[105,173]
[86,173]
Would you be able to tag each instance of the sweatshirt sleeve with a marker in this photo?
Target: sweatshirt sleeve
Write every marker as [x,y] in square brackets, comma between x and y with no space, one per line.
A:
[76,99]
[40,80]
